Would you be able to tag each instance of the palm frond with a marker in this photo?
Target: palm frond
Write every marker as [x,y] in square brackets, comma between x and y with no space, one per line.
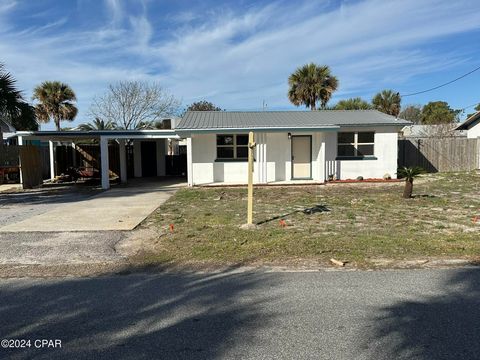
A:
[410,173]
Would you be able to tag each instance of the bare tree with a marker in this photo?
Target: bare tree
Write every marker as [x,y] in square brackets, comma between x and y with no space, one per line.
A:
[132,103]
[438,130]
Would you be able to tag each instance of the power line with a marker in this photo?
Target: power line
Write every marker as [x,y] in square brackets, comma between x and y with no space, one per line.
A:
[469,106]
[442,85]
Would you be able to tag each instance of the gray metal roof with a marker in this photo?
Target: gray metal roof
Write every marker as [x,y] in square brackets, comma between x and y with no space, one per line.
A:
[471,121]
[209,120]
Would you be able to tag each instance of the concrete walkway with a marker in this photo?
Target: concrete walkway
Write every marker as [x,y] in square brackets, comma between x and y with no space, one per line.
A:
[121,208]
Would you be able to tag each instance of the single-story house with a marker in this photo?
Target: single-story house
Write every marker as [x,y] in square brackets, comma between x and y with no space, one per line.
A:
[291,146]
[472,125]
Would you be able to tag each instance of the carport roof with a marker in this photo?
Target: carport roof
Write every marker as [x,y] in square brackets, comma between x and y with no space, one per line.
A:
[96,134]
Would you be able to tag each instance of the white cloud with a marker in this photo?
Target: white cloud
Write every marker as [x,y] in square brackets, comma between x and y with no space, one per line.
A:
[7,5]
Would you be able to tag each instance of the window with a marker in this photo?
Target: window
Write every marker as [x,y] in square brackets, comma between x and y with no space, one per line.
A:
[355,144]
[232,147]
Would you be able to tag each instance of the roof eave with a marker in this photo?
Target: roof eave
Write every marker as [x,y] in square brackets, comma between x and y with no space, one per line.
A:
[471,121]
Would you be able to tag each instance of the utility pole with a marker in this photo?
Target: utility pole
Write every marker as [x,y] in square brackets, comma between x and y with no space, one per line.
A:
[251,149]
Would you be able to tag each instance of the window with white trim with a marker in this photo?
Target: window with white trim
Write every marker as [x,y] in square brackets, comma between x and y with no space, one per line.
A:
[355,144]
[233,146]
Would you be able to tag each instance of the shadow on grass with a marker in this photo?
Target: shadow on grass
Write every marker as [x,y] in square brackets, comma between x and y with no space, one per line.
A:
[137,316]
[429,196]
[307,211]
[440,327]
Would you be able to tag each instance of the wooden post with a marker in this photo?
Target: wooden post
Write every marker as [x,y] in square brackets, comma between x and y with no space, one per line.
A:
[251,148]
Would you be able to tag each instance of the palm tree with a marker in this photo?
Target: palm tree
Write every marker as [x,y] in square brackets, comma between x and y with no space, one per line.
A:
[11,99]
[56,101]
[409,173]
[311,83]
[353,104]
[388,102]
[98,124]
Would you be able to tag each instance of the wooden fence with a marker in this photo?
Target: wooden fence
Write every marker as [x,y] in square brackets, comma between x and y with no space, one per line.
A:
[29,156]
[88,156]
[31,166]
[440,154]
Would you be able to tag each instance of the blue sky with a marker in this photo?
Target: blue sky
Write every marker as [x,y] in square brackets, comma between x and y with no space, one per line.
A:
[239,53]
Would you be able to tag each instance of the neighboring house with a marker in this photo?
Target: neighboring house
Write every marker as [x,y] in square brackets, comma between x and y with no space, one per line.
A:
[291,146]
[472,125]
[442,130]
[7,130]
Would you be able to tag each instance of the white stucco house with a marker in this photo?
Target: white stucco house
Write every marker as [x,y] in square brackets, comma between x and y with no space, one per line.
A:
[472,126]
[291,146]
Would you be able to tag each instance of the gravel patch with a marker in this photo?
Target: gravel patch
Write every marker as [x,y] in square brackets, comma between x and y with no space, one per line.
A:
[59,247]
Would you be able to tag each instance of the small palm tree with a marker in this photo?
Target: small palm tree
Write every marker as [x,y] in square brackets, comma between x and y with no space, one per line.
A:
[311,83]
[98,124]
[387,102]
[409,173]
[56,101]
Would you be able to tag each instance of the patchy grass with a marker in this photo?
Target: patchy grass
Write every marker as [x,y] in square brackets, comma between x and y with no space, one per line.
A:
[350,222]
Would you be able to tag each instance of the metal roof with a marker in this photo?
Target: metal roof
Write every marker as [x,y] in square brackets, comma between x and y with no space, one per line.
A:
[471,121]
[211,120]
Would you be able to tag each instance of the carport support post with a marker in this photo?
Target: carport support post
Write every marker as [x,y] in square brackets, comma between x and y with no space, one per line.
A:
[74,155]
[51,152]
[123,160]
[20,143]
[104,162]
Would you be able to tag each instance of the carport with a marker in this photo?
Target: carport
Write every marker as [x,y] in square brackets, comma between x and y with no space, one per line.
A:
[156,138]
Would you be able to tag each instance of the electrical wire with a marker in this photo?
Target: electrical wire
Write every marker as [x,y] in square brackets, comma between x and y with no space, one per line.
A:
[442,85]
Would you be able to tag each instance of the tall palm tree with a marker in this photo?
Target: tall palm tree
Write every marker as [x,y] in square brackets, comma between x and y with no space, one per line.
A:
[311,83]
[56,101]
[409,173]
[98,124]
[388,102]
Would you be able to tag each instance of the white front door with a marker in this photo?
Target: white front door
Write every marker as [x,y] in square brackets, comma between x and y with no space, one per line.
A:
[302,157]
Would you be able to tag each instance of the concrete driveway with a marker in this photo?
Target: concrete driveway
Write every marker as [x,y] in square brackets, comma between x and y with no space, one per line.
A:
[121,208]
[73,229]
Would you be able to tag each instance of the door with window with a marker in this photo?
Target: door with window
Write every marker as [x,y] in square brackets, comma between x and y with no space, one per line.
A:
[301,157]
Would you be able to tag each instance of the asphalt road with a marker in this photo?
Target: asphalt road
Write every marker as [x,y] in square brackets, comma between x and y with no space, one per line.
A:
[408,314]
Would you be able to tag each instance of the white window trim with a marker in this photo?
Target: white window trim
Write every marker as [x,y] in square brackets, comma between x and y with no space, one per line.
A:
[234,145]
[356,144]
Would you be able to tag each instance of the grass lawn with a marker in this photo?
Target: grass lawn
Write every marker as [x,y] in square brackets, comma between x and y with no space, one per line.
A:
[357,223]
